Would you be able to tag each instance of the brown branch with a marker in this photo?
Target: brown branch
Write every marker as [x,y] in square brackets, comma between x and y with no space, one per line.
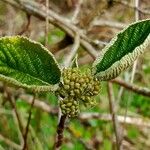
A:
[28,123]
[111,24]
[85,116]
[139,90]
[76,11]
[38,104]
[137,17]
[107,117]
[46,23]
[60,130]
[114,117]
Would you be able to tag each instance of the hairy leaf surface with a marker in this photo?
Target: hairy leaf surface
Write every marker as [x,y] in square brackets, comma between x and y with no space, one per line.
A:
[122,51]
[27,64]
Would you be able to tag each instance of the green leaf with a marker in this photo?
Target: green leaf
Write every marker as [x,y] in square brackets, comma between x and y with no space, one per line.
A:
[122,51]
[28,64]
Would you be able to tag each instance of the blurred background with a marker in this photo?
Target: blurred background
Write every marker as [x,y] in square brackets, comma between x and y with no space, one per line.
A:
[93,128]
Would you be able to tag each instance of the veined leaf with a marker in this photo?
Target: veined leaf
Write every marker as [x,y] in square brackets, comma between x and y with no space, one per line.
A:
[122,51]
[28,64]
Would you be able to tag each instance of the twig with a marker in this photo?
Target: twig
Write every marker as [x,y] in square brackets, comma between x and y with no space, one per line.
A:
[72,51]
[86,116]
[46,23]
[134,65]
[38,104]
[113,113]
[28,123]
[27,25]
[60,129]
[136,61]
[111,24]
[76,12]
[10,143]
[107,117]
[139,90]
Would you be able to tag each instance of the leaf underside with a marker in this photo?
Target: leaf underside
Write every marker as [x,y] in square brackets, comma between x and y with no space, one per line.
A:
[27,64]
[122,50]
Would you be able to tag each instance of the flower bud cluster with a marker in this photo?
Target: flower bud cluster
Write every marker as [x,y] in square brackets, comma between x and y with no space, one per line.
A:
[74,87]
[69,107]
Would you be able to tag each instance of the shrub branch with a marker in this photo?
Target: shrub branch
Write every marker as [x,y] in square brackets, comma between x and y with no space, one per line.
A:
[60,130]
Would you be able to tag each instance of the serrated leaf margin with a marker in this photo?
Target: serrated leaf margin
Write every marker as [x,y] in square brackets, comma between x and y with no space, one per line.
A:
[34,88]
[124,62]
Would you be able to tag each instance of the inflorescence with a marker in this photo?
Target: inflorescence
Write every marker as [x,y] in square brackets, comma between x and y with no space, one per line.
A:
[74,88]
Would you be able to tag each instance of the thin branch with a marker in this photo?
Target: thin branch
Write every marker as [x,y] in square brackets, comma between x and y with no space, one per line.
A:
[46,23]
[107,117]
[73,51]
[111,24]
[136,61]
[86,116]
[28,123]
[60,130]
[76,12]
[137,13]
[9,142]
[139,90]
[38,104]
[114,117]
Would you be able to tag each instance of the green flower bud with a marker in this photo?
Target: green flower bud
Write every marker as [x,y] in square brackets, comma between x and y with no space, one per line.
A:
[66,87]
[87,80]
[66,81]
[71,108]
[76,91]
[95,92]
[84,85]
[96,87]
[77,85]
[81,80]
[69,104]
[72,93]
